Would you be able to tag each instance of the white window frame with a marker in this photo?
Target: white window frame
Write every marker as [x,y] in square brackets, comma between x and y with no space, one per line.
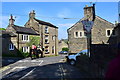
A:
[24,39]
[75,34]
[47,41]
[53,38]
[46,37]
[11,46]
[111,33]
[24,47]
[47,49]
[82,34]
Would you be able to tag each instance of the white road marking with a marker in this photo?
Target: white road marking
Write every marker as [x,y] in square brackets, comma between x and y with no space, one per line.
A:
[41,62]
[30,61]
[21,68]
[27,74]
[30,72]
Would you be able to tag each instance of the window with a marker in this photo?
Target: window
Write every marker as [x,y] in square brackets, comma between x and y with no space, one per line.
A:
[76,34]
[25,49]
[110,32]
[53,37]
[80,34]
[53,49]
[25,37]
[46,29]
[46,50]
[46,36]
[11,47]
[46,41]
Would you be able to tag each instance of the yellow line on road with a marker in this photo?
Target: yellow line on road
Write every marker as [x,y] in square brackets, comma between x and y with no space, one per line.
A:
[63,60]
[4,68]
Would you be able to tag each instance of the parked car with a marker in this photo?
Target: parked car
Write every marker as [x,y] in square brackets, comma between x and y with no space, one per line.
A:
[72,58]
[63,52]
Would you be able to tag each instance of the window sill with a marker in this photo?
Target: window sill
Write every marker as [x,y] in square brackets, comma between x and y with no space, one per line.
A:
[46,43]
[46,32]
[25,41]
[46,52]
[11,49]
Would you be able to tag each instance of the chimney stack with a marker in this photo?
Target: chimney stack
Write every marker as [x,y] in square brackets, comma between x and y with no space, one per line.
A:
[89,12]
[32,14]
[11,20]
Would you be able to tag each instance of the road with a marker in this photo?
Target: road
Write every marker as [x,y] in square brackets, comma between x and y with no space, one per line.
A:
[42,68]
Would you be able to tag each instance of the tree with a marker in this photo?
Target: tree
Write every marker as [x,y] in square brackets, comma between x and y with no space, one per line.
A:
[34,40]
[65,49]
[2,29]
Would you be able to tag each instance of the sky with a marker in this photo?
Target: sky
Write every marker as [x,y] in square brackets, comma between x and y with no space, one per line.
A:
[55,12]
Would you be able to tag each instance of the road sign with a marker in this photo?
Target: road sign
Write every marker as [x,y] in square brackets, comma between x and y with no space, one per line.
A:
[87,25]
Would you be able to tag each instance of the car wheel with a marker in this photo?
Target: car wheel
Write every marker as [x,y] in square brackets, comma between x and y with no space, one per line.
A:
[72,62]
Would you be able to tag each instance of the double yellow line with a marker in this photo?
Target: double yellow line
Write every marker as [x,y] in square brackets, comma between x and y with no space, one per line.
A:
[4,68]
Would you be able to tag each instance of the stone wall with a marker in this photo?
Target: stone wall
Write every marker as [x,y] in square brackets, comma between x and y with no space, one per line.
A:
[98,35]
[33,24]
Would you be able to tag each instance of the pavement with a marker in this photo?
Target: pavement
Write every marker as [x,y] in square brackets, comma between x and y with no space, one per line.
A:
[47,68]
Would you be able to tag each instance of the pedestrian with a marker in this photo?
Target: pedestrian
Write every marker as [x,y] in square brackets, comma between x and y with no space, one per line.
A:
[41,51]
[38,51]
[31,52]
[34,50]
[113,72]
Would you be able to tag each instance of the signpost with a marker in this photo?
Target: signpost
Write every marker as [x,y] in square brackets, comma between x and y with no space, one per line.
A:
[87,26]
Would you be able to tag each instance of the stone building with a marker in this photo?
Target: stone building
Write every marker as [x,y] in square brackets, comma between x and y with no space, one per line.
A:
[102,32]
[15,38]
[62,44]
[47,31]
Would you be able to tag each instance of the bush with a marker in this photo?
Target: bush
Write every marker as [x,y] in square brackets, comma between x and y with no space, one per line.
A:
[65,49]
[22,54]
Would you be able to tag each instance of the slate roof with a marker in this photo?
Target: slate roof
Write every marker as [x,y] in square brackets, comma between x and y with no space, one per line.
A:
[96,17]
[8,34]
[45,23]
[24,30]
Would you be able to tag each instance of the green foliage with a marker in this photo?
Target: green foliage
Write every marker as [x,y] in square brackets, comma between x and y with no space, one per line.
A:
[2,29]
[22,54]
[65,49]
[34,40]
